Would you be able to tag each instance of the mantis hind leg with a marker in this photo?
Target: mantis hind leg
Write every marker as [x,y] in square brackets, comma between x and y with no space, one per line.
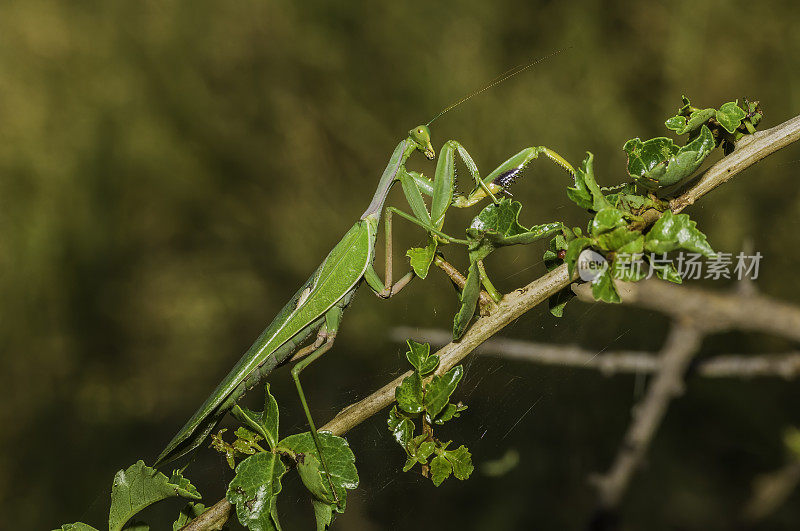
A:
[323,343]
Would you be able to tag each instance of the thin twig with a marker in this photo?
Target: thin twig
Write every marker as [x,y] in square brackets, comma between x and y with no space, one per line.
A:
[212,519]
[786,365]
[748,151]
[717,311]
[486,302]
[681,345]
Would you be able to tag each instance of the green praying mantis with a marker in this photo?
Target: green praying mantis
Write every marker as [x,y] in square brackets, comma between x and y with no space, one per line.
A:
[318,306]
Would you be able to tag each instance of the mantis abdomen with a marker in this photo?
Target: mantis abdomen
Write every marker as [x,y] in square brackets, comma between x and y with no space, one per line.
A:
[332,284]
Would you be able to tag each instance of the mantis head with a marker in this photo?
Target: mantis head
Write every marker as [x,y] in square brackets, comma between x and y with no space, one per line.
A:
[421,137]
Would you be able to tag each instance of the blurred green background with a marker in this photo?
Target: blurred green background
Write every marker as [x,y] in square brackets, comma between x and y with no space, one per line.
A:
[171,171]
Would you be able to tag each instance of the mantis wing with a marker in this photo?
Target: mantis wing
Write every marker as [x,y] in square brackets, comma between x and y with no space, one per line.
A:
[336,278]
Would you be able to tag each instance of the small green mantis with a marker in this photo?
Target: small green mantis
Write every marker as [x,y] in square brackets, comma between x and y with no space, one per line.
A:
[318,306]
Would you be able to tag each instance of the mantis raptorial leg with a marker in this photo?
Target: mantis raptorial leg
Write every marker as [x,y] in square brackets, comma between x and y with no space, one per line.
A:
[498,180]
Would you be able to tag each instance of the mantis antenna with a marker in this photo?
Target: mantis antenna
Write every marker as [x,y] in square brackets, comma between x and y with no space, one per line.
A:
[496,81]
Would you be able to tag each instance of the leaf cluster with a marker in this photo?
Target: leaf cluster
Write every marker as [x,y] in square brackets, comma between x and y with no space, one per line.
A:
[615,231]
[427,403]
[728,124]
[263,460]
[255,488]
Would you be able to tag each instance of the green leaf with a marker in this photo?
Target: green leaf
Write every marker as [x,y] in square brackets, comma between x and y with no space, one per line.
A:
[556,303]
[183,486]
[469,300]
[676,123]
[401,427]
[429,365]
[688,158]
[139,486]
[579,194]
[419,450]
[574,251]
[219,444]
[409,393]
[187,514]
[498,225]
[254,491]
[246,442]
[419,356]
[323,513]
[622,240]
[421,258]
[424,451]
[754,113]
[461,462]
[658,162]
[341,464]
[440,469]
[676,231]
[686,107]
[647,160]
[264,422]
[730,116]
[629,200]
[77,526]
[669,273]
[551,260]
[605,220]
[413,446]
[417,353]
[439,389]
[681,125]
[586,193]
[449,412]
[554,255]
[603,287]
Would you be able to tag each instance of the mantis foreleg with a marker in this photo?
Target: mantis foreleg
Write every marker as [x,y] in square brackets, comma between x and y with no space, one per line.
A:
[507,173]
[501,178]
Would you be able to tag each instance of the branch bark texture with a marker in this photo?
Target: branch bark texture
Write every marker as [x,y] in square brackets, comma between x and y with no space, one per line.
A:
[784,365]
